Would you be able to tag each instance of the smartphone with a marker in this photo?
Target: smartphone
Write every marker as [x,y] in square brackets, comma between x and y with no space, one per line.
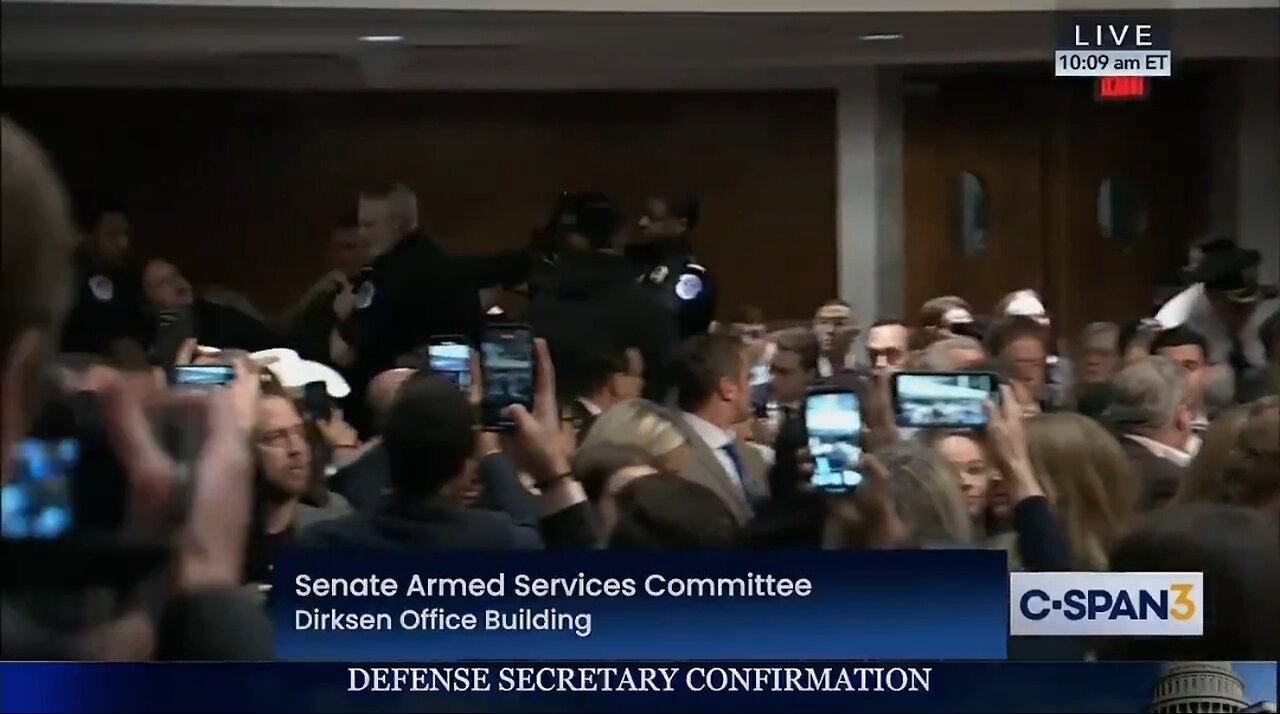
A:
[450,357]
[37,502]
[944,400]
[315,399]
[63,510]
[506,361]
[202,375]
[833,422]
[66,477]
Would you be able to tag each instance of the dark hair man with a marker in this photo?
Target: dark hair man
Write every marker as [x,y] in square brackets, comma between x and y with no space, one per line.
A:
[106,317]
[179,314]
[888,345]
[1190,350]
[592,302]
[714,394]
[603,377]
[1022,341]
[664,253]
[835,330]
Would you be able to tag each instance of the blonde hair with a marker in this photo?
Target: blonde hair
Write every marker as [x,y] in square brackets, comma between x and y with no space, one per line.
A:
[926,494]
[637,423]
[1203,480]
[1088,480]
[1244,468]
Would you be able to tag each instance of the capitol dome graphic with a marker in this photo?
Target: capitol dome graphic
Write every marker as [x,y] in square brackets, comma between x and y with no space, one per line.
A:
[1186,687]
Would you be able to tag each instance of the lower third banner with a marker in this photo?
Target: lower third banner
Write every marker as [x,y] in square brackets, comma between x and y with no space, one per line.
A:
[891,605]
[755,686]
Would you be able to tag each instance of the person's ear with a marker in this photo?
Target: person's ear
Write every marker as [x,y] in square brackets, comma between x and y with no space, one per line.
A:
[19,391]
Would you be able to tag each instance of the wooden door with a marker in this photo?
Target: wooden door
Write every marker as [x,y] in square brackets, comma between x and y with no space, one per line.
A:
[961,136]
[1043,150]
[1126,194]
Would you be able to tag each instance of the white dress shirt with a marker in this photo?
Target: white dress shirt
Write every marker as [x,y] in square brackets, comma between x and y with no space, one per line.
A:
[1164,451]
[717,439]
[1191,308]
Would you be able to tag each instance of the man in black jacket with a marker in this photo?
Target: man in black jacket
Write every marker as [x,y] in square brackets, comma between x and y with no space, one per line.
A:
[594,298]
[410,292]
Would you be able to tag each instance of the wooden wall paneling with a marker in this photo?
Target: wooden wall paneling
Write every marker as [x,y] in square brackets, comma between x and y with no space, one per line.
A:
[242,188]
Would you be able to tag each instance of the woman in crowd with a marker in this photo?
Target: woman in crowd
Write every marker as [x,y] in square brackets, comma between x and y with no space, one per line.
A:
[1204,475]
[1088,482]
[971,465]
[1239,463]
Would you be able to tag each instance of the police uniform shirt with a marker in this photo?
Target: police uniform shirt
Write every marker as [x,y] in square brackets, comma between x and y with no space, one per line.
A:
[107,308]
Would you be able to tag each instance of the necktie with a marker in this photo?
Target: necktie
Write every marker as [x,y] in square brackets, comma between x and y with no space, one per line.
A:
[731,450]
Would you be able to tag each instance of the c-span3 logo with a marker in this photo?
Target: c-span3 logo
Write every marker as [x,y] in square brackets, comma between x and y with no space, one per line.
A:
[1077,604]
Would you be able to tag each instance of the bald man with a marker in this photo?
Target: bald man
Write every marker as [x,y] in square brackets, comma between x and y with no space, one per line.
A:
[365,481]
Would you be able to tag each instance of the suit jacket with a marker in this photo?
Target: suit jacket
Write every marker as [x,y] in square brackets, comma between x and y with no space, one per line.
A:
[1160,477]
[705,469]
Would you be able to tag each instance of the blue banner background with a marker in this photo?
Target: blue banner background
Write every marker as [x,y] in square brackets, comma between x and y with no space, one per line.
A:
[901,605]
[312,687]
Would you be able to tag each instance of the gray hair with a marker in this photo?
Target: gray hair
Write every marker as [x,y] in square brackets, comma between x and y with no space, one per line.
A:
[1098,331]
[402,202]
[38,240]
[1147,394]
[637,423]
[935,357]
[926,494]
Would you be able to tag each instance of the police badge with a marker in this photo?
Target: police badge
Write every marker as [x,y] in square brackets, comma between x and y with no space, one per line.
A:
[102,288]
[658,275]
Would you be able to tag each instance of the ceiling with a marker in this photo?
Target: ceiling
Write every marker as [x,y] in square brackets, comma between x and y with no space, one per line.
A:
[162,45]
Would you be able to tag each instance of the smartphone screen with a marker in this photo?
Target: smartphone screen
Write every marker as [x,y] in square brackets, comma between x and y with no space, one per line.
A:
[507,363]
[202,375]
[38,502]
[950,400]
[315,398]
[834,423]
[451,358]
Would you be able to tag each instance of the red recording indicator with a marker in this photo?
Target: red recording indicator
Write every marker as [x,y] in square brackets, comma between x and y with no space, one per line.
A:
[1117,88]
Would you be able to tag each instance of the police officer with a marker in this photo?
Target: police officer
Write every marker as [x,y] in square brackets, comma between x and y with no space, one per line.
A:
[590,304]
[107,317]
[664,253]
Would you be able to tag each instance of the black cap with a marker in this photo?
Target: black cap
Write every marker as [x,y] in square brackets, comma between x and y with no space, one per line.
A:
[1230,271]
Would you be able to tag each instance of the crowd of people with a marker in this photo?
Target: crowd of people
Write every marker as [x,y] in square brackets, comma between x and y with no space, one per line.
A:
[1148,444]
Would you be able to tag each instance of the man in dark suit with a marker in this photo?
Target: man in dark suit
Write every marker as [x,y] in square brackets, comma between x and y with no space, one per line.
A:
[1151,410]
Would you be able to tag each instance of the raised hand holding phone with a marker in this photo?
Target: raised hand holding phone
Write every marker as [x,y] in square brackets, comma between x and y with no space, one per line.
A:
[1008,437]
